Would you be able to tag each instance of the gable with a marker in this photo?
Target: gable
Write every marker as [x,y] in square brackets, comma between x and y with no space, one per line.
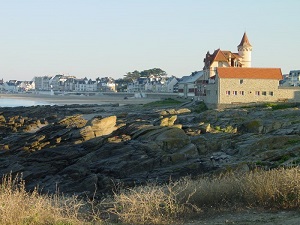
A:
[220,57]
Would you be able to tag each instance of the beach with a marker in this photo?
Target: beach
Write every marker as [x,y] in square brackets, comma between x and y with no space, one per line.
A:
[79,99]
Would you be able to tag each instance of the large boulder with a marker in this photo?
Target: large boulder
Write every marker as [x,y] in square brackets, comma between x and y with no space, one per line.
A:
[168,138]
[168,121]
[73,121]
[99,127]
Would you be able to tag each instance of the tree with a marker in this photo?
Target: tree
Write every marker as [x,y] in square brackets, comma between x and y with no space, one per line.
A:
[132,76]
[121,84]
[155,71]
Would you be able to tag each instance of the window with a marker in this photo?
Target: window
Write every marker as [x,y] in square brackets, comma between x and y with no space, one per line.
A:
[242,93]
[241,81]
[234,92]
[257,93]
[271,93]
[264,93]
[227,92]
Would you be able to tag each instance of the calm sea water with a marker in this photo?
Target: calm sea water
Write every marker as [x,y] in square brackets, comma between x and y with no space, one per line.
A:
[10,102]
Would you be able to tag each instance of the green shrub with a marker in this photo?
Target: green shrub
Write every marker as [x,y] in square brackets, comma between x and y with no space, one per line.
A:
[165,102]
[276,106]
[200,107]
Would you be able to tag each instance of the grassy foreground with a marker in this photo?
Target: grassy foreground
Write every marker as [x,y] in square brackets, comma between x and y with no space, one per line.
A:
[153,203]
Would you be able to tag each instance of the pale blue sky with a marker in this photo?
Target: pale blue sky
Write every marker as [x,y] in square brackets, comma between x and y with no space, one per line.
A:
[111,37]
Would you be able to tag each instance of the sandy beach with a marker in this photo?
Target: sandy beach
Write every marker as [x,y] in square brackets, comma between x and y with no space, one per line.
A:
[78,99]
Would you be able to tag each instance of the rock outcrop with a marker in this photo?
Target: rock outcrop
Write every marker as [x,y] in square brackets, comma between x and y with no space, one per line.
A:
[82,149]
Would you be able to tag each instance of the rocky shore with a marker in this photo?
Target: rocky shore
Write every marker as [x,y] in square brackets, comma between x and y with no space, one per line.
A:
[87,149]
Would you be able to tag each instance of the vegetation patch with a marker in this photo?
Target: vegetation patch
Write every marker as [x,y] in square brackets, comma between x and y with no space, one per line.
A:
[21,207]
[152,204]
[273,189]
[165,102]
[200,107]
[293,141]
[228,129]
[284,158]
[156,203]
[276,106]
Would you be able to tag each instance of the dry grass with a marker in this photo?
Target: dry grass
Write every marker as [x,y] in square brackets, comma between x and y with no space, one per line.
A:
[278,188]
[154,204]
[17,206]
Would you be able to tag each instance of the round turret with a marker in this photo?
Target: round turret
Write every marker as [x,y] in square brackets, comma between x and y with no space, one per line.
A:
[245,49]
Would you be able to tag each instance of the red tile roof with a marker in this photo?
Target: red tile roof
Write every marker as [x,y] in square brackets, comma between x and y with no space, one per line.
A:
[219,56]
[249,73]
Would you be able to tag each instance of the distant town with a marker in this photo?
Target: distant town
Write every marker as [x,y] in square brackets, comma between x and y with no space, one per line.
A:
[152,80]
[227,78]
[151,83]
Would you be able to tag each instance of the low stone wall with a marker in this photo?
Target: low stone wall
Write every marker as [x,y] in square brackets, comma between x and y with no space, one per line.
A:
[144,94]
[291,94]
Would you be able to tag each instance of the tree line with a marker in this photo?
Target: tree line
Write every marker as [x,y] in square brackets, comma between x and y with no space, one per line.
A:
[132,76]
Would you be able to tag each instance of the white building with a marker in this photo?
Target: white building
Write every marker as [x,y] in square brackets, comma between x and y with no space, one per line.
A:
[293,78]
[188,86]
[11,86]
[85,84]
[169,85]
[42,83]
[25,85]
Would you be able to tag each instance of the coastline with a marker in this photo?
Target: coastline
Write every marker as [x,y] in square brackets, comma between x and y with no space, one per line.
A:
[78,99]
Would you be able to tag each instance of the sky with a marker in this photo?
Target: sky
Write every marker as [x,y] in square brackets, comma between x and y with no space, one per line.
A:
[99,38]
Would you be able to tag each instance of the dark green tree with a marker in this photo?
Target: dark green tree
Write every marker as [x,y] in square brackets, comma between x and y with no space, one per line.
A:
[132,76]
[155,71]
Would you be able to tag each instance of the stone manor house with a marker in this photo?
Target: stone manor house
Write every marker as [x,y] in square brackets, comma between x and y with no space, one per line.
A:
[228,79]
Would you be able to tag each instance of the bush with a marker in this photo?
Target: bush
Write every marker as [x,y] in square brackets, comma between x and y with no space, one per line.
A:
[200,107]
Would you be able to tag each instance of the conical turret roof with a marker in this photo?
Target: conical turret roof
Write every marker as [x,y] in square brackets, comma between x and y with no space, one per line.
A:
[245,41]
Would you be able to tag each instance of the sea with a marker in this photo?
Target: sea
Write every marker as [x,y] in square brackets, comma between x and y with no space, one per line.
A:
[11,102]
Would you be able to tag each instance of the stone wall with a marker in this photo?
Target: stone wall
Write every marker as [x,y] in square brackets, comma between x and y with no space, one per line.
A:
[233,91]
[291,94]
[247,91]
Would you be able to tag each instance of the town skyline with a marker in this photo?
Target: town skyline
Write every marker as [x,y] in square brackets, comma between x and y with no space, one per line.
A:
[110,38]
